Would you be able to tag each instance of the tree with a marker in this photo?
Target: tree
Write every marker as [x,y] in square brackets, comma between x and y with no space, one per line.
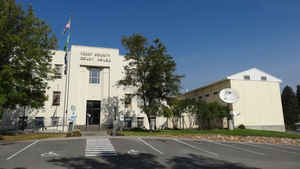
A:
[25,54]
[298,98]
[290,106]
[175,108]
[209,115]
[151,71]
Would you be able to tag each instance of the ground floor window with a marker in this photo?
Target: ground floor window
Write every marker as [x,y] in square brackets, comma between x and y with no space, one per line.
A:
[153,123]
[127,122]
[140,122]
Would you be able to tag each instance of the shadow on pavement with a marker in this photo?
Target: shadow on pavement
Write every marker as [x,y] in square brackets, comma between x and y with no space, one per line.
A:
[145,161]
[195,161]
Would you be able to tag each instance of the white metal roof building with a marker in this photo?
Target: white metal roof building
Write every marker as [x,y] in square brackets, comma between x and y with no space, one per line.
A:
[260,100]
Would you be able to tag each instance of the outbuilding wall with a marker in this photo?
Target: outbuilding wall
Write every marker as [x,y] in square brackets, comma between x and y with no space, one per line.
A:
[259,104]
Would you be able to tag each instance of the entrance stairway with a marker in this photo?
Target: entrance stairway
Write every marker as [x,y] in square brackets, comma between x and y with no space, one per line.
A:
[88,128]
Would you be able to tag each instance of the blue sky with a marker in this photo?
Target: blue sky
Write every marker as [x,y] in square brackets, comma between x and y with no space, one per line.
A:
[209,39]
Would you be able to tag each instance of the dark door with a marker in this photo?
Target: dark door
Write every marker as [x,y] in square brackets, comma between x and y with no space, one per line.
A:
[93,108]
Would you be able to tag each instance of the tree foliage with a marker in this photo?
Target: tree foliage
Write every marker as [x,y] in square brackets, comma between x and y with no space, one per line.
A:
[298,96]
[151,71]
[290,106]
[209,115]
[25,54]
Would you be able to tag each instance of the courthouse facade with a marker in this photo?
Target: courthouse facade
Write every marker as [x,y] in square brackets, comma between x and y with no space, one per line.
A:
[93,76]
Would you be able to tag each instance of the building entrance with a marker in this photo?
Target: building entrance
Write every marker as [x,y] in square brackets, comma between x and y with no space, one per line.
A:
[93,108]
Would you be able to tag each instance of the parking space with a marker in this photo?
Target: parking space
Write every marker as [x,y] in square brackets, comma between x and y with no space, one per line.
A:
[125,145]
[10,148]
[146,152]
[38,155]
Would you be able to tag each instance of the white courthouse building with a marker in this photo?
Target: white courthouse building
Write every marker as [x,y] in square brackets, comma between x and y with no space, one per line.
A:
[93,76]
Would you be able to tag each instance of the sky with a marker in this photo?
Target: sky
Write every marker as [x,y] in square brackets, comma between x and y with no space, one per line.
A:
[209,39]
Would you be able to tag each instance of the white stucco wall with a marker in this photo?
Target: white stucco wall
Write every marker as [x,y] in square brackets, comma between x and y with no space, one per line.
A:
[81,59]
[259,105]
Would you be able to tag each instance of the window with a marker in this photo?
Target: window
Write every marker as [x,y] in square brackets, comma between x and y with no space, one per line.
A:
[263,78]
[58,71]
[95,75]
[140,122]
[200,97]
[56,98]
[246,77]
[215,93]
[127,122]
[128,100]
[207,95]
[39,122]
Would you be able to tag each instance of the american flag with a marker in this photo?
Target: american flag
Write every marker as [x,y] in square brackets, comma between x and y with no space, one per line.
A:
[68,26]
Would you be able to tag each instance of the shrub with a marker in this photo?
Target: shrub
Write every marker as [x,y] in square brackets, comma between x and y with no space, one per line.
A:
[75,133]
[241,126]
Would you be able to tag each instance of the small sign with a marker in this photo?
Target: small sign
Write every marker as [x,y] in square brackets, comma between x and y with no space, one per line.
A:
[121,117]
[73,108]
[73,118]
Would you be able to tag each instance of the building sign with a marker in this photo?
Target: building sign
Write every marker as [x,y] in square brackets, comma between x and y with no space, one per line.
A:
[95,57]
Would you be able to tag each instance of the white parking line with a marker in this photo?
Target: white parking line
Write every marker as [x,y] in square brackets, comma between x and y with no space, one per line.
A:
[23,149]
[197,148]
[270,148]
[237,148]
[143,141]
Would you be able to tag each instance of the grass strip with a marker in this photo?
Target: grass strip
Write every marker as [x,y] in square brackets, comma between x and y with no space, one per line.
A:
[235,132]
[31,136]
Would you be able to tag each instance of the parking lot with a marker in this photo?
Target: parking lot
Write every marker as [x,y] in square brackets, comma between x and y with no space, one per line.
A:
[145,152]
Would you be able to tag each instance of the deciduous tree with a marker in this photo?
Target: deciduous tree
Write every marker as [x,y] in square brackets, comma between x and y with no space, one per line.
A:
[151,70]
[25,54]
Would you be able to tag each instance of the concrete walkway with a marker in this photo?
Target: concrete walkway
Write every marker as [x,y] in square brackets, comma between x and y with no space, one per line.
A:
[94,133]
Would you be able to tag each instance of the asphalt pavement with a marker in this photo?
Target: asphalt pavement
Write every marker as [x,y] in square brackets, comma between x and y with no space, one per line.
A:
[145,153]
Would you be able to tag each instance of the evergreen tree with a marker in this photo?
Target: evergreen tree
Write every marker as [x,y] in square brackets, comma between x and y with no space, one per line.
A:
[151,71]
[25,54]
[298,98]
[290,106]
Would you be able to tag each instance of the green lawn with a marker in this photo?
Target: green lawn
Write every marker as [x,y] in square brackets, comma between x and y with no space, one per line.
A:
[235,132]
[31,136]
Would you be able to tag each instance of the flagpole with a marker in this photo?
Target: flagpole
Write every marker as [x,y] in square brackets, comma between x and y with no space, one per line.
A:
[68,75]
[67,64]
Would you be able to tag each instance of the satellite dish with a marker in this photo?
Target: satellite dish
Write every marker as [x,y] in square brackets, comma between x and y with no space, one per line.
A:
[234,113]
[229,95]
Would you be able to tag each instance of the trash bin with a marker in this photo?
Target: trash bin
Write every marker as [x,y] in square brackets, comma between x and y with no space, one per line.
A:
[70,127]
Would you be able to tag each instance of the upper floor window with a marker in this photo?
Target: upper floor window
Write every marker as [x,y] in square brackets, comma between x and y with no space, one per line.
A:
[58,71]
[94,75]
[263,78]
[128,100]
[246,77]
[56,98]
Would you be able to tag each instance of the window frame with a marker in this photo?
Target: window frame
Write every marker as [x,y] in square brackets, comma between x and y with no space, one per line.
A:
[246,77]
[56,98]
[263,78]
[94,76]
[58,71]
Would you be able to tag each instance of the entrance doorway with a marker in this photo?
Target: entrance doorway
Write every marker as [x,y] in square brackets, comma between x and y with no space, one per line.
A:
[93,108]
